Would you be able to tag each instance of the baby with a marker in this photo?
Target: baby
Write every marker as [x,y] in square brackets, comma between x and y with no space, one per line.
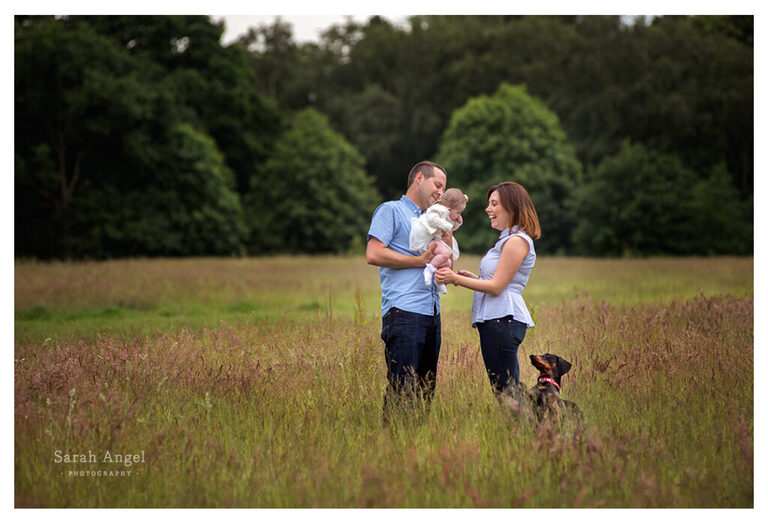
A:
[440,219]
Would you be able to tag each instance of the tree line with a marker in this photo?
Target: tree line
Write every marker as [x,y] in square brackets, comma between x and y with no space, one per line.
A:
[145,136]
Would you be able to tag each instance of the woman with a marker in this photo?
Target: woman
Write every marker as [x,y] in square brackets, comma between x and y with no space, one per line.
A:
[498,310]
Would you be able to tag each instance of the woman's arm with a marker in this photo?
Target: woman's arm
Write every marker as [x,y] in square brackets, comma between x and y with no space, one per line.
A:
[377,254]
[512,254]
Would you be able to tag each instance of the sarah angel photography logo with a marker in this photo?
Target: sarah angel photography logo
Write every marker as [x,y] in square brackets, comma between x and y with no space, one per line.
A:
[99,464]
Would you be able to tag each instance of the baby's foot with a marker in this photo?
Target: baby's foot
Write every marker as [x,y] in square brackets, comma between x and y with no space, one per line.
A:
[429,272]
[441,288]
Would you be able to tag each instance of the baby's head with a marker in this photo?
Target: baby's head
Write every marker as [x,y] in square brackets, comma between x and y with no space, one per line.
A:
[454,200]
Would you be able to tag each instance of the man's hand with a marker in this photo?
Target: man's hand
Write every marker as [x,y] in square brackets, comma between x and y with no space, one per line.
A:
[377,254]
[427,256]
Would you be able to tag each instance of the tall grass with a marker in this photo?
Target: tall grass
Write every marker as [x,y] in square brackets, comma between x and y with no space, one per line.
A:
[280,406]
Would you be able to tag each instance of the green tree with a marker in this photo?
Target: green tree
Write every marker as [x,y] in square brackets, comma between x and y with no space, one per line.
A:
[192,208]
[189,207]
[104,166]
[213,85]
[314,195]
[673,85]
[511,136]
[373,122]
[636,203]
[722,221]
[740,28]
[81,104]
[681,85]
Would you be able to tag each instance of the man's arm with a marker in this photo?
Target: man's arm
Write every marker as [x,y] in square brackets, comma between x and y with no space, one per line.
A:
[377,254]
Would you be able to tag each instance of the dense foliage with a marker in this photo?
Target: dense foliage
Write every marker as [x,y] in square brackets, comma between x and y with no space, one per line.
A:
[511,136]
[109,160]
[144,135]
[313,195]
[654,205]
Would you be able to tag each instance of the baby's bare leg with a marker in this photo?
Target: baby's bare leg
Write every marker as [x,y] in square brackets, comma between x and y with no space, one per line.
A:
[442,255]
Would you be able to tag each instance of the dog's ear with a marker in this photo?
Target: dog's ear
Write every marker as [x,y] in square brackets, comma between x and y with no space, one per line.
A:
[562,366]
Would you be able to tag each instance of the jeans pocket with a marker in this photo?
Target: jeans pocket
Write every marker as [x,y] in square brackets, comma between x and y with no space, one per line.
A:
[389,328]
[494,334]
[385,325]
[513,333]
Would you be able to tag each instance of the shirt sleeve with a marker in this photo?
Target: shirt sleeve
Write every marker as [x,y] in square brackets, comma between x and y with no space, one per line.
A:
[383,224]
[523,237]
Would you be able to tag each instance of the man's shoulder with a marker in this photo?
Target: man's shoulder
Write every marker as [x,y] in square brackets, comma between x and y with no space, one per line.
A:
[391,206]
[394,203]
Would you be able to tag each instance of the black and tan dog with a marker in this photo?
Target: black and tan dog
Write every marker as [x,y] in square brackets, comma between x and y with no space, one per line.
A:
[545,395]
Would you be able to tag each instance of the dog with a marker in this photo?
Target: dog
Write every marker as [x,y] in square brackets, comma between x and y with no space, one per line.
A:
[542,402]
[545,395]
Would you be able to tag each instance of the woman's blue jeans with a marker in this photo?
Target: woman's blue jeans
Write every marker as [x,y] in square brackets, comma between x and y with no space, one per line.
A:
[499,341]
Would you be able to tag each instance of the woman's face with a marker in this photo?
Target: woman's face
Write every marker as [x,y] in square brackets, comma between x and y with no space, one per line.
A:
[496,212]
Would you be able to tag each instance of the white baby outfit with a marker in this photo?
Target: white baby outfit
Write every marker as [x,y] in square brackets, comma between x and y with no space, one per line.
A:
[430,226]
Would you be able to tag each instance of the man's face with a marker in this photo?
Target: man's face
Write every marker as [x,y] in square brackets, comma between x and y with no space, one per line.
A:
[430,189]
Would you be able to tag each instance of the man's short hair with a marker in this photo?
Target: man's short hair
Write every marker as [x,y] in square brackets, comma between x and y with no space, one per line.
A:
[426,168]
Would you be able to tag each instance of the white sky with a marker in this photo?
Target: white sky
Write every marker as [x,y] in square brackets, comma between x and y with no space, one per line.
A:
[305,27]
[308,21]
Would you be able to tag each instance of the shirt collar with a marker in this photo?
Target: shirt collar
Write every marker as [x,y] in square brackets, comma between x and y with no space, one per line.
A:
[506,232]
[410,204]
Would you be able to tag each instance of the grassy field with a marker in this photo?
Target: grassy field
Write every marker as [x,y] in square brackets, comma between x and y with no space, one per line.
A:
[258,383]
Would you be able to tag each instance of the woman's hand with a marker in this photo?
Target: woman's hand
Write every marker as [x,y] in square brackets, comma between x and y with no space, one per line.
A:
[445,276]
[465,273]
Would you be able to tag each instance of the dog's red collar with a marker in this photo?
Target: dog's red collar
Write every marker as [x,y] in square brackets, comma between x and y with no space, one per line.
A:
[549,380]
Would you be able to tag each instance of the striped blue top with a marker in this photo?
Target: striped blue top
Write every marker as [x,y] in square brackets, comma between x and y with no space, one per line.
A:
[510,301]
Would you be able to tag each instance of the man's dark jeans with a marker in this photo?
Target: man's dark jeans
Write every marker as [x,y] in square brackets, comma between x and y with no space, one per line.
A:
[499,341]
[412,348]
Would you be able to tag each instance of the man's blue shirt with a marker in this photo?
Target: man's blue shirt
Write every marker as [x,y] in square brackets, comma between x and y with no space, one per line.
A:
[401,288]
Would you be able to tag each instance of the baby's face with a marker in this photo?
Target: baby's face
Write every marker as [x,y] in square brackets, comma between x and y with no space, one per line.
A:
[455,214]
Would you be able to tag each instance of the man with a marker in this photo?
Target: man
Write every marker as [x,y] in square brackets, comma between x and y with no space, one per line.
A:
[410,310]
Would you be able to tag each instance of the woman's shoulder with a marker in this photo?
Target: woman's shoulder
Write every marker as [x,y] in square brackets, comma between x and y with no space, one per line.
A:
[517,233]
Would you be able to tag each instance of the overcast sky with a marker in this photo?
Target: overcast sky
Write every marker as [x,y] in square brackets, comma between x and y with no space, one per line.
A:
[305,27]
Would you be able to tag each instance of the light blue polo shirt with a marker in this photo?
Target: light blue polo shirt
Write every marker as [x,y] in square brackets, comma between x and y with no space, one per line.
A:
[401,288]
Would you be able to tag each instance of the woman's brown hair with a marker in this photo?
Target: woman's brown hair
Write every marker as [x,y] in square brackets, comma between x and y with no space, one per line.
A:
[519,205]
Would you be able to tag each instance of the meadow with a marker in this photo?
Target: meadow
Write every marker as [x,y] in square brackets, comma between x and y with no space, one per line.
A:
[258,382]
